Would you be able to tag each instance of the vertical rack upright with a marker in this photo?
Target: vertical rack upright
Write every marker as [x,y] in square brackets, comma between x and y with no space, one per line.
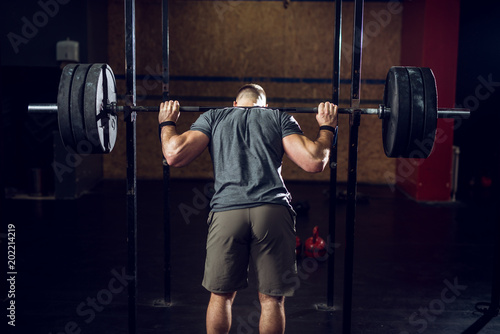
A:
[333,154]
[354,123]
[166,168]
[130,100]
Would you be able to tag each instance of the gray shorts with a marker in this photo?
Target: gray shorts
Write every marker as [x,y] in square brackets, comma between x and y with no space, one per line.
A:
[265,235]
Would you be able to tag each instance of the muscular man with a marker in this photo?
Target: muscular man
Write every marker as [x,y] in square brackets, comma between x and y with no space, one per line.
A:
[251,217]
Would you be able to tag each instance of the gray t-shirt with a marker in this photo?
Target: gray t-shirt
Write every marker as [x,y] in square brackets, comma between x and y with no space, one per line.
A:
[247,150]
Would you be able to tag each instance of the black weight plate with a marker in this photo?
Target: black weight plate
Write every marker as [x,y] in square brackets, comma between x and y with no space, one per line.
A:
[431,111]
[64,107]
[396,126]
[91,108]
[100,90]
[77,102]
[417,100]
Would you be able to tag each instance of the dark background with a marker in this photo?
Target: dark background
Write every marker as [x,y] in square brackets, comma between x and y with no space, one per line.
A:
[32,75]
[478,57]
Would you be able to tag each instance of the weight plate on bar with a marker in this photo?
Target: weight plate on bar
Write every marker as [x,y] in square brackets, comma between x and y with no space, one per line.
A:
[431,111]
[100,90]
[396,126]
[417,120]
[64,107]
[77,105]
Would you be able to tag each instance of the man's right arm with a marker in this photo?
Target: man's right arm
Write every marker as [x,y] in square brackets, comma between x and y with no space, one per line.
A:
[312,155]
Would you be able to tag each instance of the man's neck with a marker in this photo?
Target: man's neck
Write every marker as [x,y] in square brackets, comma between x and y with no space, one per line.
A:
[246,103]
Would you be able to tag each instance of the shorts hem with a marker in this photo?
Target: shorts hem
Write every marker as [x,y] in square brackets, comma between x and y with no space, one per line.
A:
[288,293]
[224,291]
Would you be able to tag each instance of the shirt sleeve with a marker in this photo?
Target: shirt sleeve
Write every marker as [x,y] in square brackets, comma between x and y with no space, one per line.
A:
[204,124]
[289,125]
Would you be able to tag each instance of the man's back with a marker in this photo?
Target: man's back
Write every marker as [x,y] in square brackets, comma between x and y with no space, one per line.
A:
[247,151]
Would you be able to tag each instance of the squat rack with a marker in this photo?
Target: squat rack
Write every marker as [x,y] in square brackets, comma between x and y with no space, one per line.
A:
[131,153]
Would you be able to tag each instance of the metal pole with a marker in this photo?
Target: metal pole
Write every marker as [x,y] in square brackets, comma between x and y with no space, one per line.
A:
[495,284]
[354,120]
[166,167]
[130,99]
[333,155]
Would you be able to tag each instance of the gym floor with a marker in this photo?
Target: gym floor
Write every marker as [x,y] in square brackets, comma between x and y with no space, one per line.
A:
[418,268]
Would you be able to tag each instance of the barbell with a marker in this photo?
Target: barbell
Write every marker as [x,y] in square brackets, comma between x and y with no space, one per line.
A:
[87,110]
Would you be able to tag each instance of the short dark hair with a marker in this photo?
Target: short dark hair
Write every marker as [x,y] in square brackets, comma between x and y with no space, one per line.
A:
[251,90]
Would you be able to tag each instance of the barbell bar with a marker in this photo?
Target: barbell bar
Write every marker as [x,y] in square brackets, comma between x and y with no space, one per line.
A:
[87,110]
[113,108]
[51,108]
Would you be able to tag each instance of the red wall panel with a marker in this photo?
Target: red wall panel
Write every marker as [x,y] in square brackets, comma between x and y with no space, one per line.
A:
[430,39]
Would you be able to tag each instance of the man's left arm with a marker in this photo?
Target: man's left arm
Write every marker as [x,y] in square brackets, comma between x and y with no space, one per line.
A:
[179,149]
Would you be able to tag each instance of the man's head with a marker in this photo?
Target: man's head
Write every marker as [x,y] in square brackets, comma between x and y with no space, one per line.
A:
[250,95]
